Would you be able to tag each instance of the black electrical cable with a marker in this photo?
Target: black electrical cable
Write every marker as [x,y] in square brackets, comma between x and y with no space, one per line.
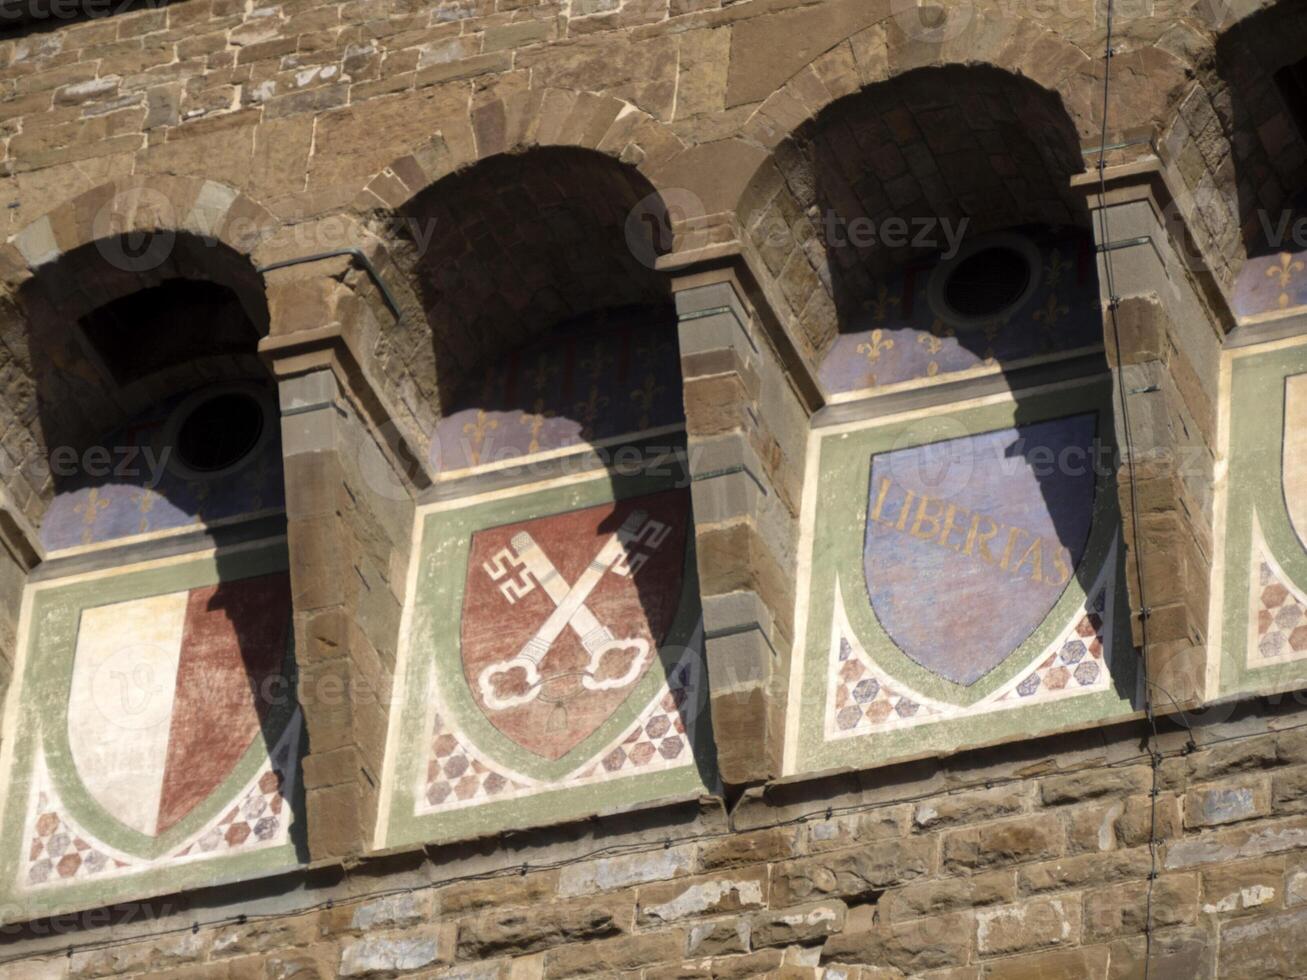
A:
[1114,303]
[514,870]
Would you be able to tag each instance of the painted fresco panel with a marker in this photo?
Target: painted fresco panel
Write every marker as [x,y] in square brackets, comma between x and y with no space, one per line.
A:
[1273,282]
[139,493]
[1262,569]
[152,740]
[897,339]
[576,387]
[552,660]
[961,582]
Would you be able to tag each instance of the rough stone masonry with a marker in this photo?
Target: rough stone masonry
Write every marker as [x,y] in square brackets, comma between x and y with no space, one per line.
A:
[382,216]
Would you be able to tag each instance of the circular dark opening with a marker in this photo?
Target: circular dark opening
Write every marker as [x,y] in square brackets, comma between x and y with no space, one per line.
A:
[987,283]
[220,431]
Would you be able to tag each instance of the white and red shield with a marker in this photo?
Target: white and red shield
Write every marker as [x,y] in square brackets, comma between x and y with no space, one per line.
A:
[563,615]
[169,691]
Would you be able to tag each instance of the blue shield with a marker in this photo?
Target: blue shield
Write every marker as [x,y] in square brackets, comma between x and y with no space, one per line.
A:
[971,541]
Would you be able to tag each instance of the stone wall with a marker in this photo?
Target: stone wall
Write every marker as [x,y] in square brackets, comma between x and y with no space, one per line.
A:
[483,160]
[1030,861]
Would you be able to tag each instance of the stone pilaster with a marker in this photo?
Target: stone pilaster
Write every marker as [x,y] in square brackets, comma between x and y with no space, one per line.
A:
[1163,346]
[349,517]
[746,433]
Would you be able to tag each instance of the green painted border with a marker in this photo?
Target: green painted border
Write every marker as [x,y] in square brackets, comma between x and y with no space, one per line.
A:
[445,539]
[844,468]
[1256,484]
[54,613]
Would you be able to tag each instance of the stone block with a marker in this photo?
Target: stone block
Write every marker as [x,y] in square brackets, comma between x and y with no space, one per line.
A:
[391,911]
[1007,842]
[514,931]
[1269,946]
[1092,828]
[1210,806]
[718,937]
[1124,909]
[1086,869]
[913,947]
[608,874]
[612,956]
[376,956]
[1289,790]
[505,892]
[1092,784]
[706,895]
[970,807]
[1085,963]
[773,844]
[801,925]
[844,831]
[1246,886]
[950,894]
[1030,925]
[1141,819]
[852,873]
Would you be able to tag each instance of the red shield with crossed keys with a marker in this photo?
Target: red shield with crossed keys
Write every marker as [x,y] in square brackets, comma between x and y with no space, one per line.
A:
[563,615]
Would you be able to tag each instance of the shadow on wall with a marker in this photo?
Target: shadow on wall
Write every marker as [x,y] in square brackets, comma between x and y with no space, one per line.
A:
[117,342]
[1259,168]
[519,243]
[924,231]
[555,351]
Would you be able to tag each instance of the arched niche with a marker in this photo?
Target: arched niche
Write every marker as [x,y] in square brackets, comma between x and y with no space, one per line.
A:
[554,665]
[157,733]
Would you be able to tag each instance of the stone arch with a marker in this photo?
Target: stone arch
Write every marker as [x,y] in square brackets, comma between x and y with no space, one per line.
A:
[496,252]
[1147,76]
[65,278]
[141,205]
[521,121]
[1240,155]
[902,148]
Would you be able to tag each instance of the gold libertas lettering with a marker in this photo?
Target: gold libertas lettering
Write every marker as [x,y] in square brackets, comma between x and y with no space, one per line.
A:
[970,533]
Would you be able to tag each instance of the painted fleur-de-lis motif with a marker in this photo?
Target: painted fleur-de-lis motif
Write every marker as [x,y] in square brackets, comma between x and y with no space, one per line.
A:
[597,363]
[534,420]
[145,501]
[544,369]
[588,410]
[880,306]
[644,398]
[934,341]
[254,478]
[201,489]
[90,510]
[476,431]
[1055,267]
[875,343]
[1051,313]
[871,350]
[1284,273]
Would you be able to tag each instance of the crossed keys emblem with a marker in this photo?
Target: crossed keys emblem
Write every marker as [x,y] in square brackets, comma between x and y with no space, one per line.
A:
[624,553]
